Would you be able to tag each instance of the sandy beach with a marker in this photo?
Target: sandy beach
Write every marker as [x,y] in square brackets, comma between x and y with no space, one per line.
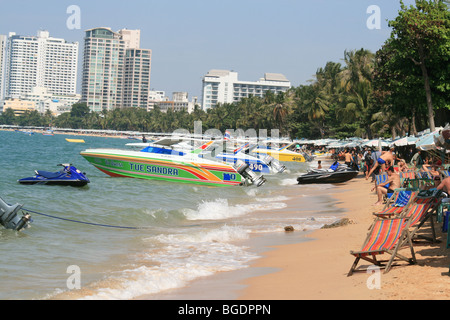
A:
[317,270]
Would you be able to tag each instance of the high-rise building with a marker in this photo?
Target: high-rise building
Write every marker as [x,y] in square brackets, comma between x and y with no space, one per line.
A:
[223,86]
[3,39]
[132,38]
[137,78]
[116,72]
[102,81]
[38,61]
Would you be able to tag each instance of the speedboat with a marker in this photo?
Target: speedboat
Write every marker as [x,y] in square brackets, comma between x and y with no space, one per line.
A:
[337,173]
[257,163]
[162,161]
[67,176]
[285,153]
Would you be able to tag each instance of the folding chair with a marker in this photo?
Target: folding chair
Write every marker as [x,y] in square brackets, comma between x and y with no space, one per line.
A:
[420,212]
[445,174]
[385,236]
[379,179]
[398,202]
[405,178]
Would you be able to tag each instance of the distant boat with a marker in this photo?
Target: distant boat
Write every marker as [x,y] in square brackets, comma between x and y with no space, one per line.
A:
[75,140]
[25,132]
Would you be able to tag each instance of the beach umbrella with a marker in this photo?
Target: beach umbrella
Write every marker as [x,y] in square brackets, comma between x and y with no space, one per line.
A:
[426,142]
[375,143]
[405,141]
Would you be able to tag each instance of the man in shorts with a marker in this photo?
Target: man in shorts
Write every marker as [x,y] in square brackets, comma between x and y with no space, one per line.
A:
[386,159]
[392,183]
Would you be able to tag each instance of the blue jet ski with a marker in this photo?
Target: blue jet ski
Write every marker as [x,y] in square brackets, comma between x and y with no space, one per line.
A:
[67,176]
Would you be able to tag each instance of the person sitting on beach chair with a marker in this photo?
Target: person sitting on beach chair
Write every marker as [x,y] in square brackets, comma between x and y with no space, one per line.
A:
[392,183]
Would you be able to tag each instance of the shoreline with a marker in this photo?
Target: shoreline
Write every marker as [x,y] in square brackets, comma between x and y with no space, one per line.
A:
[314,266]
[317,270]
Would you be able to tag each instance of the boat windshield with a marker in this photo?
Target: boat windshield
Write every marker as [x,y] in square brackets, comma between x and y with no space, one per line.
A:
[158,150]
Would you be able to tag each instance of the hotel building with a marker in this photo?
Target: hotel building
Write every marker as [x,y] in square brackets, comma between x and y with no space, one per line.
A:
[3,39]
[116,72]
[223,86]
[38,61]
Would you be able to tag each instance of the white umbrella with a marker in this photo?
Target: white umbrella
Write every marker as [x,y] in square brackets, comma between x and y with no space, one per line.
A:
[427,141]
[376,143]
[405,141]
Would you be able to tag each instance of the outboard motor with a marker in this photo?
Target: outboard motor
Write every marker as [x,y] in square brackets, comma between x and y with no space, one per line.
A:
[9,218]
[307,157]
[244,170]
[275,164]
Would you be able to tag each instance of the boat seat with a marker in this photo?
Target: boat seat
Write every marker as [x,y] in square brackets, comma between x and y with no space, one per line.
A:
[48,174]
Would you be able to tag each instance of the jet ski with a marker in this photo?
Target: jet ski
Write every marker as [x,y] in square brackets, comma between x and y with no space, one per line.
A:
[337,173]
[67,176]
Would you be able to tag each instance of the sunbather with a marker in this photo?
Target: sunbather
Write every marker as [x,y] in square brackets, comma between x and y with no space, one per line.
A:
[392,183]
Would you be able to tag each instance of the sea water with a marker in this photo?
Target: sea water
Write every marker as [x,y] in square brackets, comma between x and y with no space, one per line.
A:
[122,238]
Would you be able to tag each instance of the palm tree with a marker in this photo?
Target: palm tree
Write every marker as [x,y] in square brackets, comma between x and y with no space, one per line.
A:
[356,84]
[315,105]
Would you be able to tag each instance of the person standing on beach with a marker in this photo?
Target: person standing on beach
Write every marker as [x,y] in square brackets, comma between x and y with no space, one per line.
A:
[392,183]
[348,158]
[386,159]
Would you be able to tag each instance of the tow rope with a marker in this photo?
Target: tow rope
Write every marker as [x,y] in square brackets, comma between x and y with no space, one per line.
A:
[83,222]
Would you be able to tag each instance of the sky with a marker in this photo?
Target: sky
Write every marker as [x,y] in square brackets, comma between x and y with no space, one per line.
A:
[190,37]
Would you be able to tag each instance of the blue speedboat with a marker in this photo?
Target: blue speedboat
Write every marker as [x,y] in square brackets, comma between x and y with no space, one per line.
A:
[67,176]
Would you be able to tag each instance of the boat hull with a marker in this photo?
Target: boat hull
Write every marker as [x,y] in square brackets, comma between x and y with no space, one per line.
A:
[282,156]
[142,165]
[60,182]
[330,177]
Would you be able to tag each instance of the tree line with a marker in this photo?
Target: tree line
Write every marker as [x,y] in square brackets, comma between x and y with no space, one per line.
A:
[402,88]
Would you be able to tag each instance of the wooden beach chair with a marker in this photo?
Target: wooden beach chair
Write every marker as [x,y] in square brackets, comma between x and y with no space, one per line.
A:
[379,179]
[391,236]
[399,202]
[444,174]
[386,236]
[420,212]
[405,177]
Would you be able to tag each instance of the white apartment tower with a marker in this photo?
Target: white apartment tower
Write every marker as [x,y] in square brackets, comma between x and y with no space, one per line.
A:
[38,61]
[223,86]
[102,80]
[3,39]
[116,72]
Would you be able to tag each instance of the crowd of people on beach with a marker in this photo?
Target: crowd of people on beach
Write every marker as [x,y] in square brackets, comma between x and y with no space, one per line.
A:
[393,161]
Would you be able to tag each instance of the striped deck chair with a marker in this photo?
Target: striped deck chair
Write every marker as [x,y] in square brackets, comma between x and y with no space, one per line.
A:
[405,177]
[385,236]
[419,212]
[379,179]
[399,202]
[444,174]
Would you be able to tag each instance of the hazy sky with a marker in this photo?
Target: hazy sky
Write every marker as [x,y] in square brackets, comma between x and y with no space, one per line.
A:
[190,37]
